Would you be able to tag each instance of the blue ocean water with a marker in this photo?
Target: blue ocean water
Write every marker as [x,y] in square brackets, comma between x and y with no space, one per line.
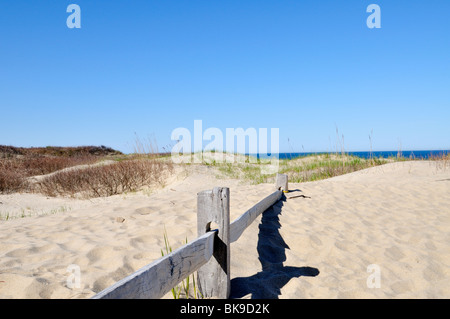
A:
[376,154]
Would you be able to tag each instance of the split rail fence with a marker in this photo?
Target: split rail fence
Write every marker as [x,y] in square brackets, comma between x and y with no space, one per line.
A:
[209,254]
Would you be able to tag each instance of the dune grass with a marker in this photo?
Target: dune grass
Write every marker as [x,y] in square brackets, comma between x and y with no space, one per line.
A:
[318,167]
[5,216]
[186,288]
[303,169]
[307,168]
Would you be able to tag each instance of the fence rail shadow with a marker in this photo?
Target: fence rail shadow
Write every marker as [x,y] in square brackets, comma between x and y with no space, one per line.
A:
[271,248]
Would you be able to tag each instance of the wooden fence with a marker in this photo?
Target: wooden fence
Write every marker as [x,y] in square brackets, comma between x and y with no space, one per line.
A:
[209,254]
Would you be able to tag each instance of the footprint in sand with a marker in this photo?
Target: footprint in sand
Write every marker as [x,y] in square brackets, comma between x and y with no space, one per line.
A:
[28,252]
[394,253]
[314,239]
[430,245]
[433,272]
[401,287]
[145,210]
[99,254]
[143,241]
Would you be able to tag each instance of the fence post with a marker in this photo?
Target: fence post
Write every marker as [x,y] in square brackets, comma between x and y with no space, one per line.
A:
[282,182]
[213,278]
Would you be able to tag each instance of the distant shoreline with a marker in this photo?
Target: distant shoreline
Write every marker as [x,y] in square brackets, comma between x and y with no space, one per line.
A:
[103,150]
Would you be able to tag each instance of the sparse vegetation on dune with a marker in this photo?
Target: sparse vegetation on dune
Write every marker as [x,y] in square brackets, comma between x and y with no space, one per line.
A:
[317,167]
[442,160]
[306,168]
[300,169]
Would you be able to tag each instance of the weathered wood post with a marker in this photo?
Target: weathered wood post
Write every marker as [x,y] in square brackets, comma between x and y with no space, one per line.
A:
[213,278]
[282,182]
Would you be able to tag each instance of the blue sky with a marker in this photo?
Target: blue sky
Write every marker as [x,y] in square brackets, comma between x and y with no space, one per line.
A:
[144,68]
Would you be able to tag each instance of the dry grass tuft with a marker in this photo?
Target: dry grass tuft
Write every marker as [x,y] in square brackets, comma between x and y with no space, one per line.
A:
[442,160]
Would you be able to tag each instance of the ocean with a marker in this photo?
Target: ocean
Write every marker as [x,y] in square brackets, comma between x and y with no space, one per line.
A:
[376,154]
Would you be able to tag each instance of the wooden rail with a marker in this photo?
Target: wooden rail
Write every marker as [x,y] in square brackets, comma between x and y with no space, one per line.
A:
[242,222]
[209,254]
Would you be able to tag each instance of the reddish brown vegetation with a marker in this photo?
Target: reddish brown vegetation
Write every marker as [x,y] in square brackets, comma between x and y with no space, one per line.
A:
[18,164]
[106,180]
[12,151]
[11,179]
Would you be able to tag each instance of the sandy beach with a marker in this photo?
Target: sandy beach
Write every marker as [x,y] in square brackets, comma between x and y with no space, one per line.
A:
[326,239]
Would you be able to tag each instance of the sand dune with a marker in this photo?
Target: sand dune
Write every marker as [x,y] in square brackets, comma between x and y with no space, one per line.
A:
[394,219]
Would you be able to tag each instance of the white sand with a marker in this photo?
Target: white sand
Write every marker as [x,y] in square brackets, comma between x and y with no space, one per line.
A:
[396,217]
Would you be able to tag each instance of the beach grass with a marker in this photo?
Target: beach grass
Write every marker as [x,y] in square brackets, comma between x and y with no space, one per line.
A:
[7,215]
[308,168]
[318,167]
[299,169]
[186,288]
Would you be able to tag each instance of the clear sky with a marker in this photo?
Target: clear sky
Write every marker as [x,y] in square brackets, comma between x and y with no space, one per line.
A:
[144,68]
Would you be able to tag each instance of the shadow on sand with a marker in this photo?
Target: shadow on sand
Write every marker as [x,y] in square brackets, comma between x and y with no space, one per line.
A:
[271,248]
